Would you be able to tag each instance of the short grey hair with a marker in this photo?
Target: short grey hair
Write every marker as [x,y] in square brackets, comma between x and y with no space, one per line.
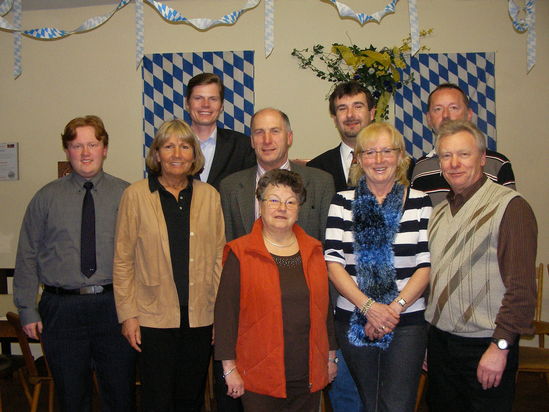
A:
[452,127]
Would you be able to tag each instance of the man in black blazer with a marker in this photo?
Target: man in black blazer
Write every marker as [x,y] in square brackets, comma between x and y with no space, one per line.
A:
[226,151]
[352,108]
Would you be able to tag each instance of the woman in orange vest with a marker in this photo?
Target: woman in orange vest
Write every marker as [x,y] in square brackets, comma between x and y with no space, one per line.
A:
[273,323]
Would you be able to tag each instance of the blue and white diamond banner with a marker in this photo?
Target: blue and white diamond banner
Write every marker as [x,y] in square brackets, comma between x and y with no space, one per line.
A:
[473,72]
[165,78]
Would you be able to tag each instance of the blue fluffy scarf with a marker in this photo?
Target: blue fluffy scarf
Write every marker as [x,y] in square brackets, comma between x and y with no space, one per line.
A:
[374,227]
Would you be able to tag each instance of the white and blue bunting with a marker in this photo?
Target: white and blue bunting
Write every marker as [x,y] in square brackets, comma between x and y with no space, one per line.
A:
[528,23]
[173,16]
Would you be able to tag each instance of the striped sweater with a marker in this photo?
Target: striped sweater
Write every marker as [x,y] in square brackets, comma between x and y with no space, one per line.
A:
[409,246]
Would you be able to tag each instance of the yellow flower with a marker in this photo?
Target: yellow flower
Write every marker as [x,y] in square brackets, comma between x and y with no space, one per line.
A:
[382,103]
[346,54]
[376,57]
[396,74]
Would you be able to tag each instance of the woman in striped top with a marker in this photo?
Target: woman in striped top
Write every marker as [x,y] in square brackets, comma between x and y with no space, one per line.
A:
[378,259]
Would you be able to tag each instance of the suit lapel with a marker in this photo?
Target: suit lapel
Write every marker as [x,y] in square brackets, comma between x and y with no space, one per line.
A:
[222,152]
[338,167]
[246,198]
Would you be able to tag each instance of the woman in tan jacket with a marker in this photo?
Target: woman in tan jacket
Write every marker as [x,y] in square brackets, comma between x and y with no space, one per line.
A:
[167,264]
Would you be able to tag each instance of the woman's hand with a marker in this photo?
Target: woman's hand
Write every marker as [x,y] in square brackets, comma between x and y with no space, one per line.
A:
[235,384]
[132,332]
[382,317]
[332,366]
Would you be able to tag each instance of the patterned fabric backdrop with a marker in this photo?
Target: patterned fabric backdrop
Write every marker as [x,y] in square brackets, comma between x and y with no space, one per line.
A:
[473,72]
[165,78]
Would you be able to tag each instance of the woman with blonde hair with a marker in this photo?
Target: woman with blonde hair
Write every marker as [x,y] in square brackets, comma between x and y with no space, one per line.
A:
[378,259]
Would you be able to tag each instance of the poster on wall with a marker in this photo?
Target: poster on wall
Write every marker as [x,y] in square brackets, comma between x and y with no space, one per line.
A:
[9,165]
[165,78]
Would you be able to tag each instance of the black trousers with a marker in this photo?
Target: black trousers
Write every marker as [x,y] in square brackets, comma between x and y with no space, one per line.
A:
[453,386]
[81,333]
[174,365]
[224,402]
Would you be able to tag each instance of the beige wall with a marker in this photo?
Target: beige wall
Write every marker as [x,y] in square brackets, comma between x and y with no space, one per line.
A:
[95,73]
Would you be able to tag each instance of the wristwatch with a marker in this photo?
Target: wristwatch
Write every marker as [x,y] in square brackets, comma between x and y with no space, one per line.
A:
[401,301]
[501,343]
[334,360]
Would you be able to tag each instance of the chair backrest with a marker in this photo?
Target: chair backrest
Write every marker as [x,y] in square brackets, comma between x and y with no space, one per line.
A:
[539,296]
[13,319]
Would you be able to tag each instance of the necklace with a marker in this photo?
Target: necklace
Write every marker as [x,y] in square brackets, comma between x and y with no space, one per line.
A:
[276,244]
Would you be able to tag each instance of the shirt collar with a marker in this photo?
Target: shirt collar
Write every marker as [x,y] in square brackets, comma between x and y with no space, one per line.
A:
[261,171]
[345,150]
[457,200]
[79,180]
[155,185]
[211,139]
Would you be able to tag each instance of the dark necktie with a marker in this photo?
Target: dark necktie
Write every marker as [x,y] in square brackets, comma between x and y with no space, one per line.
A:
[88,263]
[353,162]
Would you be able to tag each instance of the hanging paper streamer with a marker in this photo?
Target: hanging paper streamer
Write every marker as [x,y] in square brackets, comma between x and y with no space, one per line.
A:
[362,18]
[139,32]
[528,24]
[5,7]
[49,33]
[414,26]
[201,23]
[17,64]
[269,27]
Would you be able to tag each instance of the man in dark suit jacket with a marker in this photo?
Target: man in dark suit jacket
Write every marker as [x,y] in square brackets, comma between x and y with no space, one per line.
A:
[352,108]
[226,151]
[271,138]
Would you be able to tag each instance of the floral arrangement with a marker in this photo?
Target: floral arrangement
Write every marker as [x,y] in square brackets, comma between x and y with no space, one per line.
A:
[376,69]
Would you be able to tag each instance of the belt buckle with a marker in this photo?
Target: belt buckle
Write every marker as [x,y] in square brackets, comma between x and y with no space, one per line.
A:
[91,290]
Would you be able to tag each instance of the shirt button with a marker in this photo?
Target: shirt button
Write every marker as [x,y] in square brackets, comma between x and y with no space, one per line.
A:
[180,208]
[191,260]
[191,283]
[191,233]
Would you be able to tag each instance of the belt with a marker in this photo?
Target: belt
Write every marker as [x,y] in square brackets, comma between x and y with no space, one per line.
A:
[86,290]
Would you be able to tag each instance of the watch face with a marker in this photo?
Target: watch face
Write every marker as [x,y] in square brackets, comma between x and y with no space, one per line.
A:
[502,344]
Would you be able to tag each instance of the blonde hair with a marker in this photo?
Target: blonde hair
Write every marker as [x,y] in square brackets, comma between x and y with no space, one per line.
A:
[372,132]
[181,130]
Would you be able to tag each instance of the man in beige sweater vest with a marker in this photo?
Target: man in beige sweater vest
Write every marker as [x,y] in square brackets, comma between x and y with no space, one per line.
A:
[483,241]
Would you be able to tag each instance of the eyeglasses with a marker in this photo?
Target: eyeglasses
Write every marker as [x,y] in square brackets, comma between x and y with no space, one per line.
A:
[79,146]
[387,153]
[274,203]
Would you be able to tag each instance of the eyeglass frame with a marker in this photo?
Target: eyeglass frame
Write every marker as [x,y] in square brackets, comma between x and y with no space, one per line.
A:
[386,153]
[274,204]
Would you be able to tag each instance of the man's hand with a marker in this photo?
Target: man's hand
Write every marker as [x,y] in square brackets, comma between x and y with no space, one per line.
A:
[33,330]
[132,332]
[491,366]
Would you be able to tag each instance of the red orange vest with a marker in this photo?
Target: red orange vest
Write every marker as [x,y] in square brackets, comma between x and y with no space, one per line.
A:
[260,343]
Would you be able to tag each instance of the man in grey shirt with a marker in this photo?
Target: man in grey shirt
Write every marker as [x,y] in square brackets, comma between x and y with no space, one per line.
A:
[76,316]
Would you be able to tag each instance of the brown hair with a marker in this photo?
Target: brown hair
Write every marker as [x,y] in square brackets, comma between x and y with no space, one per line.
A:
[445,86]
[282,177]
[351,88]
[203,79]
[69,134]
[181,130]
